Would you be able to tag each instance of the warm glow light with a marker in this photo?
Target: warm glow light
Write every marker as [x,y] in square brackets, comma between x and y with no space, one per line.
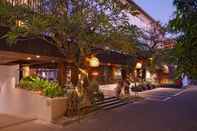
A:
[26,71]
[138,65]
[95,73]
[43,74]
[83,71]
[28,58]
[108,64]
[117,73]
[166,69]
[20,23]
[148,75]
[94,62]
[37,56]
[151,59]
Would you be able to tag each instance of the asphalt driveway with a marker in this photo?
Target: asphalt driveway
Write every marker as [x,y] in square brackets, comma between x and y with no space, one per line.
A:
[161,94]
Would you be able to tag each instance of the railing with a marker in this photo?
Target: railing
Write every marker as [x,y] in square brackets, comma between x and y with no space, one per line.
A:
[35,5]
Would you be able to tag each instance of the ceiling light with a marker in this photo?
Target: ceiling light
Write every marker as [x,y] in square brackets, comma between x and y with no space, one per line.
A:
[28,58]
[37,56]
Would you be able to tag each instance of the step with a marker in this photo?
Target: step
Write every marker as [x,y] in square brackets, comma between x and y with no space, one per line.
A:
[115,106]
[106,101]
[106,104]
[101,102]
[110,103]
[106,98]
[107,107]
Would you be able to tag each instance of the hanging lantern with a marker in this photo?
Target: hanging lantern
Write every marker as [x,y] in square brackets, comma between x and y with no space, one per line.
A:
[94,62]
[138,65]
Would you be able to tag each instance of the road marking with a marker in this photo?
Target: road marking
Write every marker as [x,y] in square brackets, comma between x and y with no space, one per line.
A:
[163,97]
[166,99]
[179,93]
[153,99]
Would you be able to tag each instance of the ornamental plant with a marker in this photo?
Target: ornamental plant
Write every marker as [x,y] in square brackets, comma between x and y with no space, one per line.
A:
[48,88]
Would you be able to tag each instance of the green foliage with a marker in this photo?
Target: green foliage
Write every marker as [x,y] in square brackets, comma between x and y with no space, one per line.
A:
[53,90]
[185,26]
[75,26]
[10,15]
[34,83]
[30,83]
[159,58]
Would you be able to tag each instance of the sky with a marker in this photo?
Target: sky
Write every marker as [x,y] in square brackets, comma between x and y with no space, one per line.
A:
[160,10]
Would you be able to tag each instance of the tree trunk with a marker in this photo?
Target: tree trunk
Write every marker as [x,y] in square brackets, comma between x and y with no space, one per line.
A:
[61,73]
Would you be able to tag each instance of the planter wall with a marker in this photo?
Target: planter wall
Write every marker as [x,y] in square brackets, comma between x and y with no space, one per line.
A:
[44,108]
[29,104]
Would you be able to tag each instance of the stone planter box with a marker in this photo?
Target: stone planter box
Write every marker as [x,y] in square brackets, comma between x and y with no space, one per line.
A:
[41,107]
[55,108]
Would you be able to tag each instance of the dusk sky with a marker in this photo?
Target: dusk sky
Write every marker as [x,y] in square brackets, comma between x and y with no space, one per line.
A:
[160,10]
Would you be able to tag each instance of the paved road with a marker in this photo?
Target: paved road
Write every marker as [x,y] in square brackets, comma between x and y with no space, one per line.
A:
[161,94]
[177,113]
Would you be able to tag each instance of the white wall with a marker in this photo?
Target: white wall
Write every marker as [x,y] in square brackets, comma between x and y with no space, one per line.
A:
[9,77]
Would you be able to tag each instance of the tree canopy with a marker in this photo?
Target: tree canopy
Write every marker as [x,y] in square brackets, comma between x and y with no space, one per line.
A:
[184,25]
[74,25]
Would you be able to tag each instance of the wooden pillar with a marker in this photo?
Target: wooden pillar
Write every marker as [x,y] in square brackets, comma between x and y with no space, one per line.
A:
[61,73]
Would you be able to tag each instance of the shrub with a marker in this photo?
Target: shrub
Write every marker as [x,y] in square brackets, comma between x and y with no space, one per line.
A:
[34,83]
[53,90]
[30,83]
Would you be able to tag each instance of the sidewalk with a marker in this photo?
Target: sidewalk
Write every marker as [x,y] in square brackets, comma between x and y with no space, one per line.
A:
[15,123]
[9,121]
